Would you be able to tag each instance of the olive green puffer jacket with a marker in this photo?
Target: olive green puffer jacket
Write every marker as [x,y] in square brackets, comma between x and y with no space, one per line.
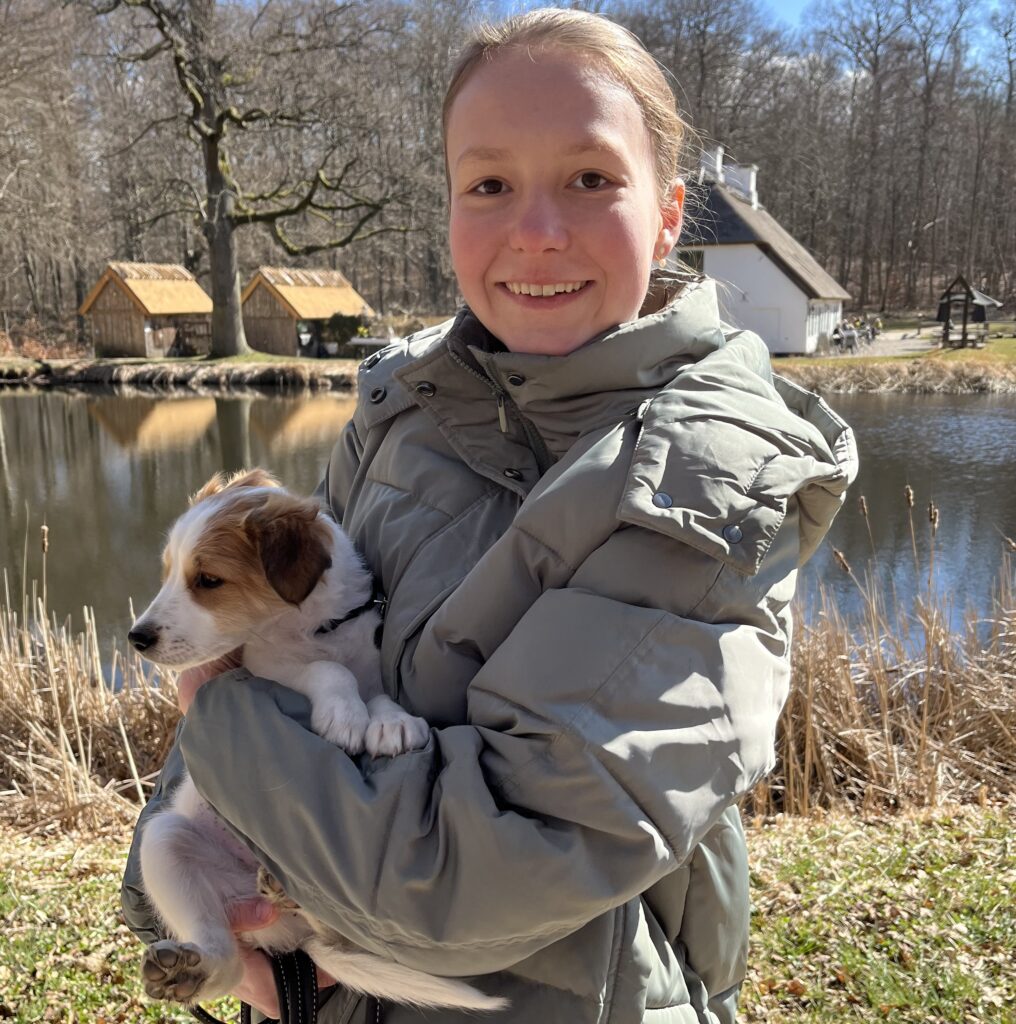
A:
[589,561]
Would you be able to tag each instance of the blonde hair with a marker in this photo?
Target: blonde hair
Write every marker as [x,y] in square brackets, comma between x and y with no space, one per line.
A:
[618,51]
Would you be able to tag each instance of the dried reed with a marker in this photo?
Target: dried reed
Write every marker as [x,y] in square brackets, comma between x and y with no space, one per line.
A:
[898,709]
[895,710]
[74,752]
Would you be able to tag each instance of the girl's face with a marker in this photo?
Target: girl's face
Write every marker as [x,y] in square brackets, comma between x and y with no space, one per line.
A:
[555,213]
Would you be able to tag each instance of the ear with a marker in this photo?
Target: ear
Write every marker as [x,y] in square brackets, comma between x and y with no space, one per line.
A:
[672,214]
[244,478]
[256,477]
[292,544]
[213,486]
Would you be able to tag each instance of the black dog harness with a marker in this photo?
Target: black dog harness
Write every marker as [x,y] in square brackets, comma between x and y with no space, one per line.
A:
[376,602]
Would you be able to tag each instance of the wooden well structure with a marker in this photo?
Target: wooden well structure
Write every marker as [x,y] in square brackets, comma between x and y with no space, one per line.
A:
[286,312]
[148,310]
[959,307]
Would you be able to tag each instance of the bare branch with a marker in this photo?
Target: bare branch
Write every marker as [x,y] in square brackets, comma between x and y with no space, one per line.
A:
[151,126]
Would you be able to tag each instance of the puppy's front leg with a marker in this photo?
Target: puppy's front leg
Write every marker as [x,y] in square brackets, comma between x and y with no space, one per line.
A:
[338,714]
[392,729]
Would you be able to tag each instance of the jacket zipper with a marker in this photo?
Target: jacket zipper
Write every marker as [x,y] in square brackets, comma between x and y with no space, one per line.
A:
[499,393]
[539,449]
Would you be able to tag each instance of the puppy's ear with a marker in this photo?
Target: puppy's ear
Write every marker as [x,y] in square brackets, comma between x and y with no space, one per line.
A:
[291,543]
[256,477]
[213,486]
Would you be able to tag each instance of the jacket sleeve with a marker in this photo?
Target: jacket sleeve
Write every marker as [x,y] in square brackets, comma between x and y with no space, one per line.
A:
[137,912]
[603,740]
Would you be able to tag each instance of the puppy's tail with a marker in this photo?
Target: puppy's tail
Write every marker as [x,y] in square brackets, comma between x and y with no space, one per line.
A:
[375,976]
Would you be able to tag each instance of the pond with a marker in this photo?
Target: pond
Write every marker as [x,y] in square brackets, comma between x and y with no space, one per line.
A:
[108,474]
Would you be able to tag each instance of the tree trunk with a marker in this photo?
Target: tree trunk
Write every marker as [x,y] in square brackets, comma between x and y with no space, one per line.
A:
[228,337]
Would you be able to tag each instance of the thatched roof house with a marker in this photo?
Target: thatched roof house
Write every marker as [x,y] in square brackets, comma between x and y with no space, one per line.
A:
[770,283]
[285,311]
[149,310]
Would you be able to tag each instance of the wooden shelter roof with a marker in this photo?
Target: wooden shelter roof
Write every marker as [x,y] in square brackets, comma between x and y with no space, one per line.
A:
[310,294]
[724,218]
[157,289]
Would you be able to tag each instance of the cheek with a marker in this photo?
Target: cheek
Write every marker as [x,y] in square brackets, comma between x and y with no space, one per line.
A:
[468,244]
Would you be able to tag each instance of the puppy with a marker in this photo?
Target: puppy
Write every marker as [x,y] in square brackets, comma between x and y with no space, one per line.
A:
[251,566]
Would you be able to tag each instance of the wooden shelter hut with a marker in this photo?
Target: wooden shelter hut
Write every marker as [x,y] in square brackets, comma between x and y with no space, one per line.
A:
[148,310]
[960,306]
[290,312]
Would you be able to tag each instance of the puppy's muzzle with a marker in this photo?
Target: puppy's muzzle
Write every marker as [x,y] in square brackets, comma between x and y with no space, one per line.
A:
[143,638]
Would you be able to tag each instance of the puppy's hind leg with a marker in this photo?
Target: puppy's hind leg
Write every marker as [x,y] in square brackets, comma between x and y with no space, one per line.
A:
[190,881]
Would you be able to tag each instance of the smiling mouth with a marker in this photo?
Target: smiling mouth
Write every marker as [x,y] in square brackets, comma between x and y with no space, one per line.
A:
[544,290]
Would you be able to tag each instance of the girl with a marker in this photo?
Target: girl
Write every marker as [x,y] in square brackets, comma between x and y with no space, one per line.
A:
[586,500]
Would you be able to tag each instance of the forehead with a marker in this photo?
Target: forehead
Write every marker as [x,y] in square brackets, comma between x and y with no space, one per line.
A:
[549,102]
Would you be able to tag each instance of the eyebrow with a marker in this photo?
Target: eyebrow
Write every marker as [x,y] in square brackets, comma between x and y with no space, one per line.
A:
[491,154]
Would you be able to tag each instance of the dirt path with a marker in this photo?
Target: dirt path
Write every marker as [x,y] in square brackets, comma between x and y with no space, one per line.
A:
[897,343]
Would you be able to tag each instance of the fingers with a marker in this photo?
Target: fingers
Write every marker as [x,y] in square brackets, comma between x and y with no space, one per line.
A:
[258,985]
[250,915]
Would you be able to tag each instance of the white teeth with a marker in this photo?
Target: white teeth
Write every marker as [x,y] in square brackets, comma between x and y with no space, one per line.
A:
[521,288]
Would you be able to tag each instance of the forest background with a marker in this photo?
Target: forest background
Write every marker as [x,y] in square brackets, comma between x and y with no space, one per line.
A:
[135,129]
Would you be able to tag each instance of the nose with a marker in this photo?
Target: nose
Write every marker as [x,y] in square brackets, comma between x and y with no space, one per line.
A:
[143,637]
[540,226]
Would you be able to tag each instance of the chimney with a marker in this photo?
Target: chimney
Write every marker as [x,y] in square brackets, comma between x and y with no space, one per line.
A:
[711,164]
[742,178]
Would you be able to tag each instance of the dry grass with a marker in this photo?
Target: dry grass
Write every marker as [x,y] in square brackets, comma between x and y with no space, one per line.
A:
[965,371]
[73,753]
[894,711]
[897,710]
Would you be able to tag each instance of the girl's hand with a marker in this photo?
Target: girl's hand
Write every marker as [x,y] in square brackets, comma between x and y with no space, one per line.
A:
[192,679]
[258,985]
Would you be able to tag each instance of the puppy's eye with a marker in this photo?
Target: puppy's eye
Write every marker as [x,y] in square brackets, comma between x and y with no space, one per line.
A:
[206,582]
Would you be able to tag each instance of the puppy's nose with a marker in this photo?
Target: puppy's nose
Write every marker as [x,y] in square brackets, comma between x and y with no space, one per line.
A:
[143,637]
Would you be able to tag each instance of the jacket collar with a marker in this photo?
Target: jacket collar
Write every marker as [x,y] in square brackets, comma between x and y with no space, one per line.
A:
[561,397]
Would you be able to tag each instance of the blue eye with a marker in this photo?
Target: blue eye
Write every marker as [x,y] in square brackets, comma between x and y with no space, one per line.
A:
[590,181]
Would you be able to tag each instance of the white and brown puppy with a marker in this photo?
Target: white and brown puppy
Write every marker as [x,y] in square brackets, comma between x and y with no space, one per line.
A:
[251,566]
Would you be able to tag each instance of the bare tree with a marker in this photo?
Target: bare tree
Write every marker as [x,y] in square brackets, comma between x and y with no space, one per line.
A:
[217,53]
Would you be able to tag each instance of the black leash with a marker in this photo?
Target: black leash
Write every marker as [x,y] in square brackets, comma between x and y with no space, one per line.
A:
[296,985]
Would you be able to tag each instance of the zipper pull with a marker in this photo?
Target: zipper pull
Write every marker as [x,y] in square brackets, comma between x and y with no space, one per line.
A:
[502,416]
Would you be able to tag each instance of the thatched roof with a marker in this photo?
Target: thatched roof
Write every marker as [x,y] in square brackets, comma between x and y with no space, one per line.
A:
[310,294]
[157,289]
[724,218]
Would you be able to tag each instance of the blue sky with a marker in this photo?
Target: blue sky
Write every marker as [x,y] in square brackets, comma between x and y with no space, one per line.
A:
[787,11]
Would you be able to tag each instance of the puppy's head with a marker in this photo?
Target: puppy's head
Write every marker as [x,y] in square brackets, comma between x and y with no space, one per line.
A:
[245,551]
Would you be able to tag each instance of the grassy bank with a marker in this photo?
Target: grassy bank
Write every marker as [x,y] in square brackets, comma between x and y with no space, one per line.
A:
[257,370]
[954,371]
[958,371]
[907,919]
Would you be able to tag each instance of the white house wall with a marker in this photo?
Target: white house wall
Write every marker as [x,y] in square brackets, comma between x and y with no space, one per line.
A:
[756,295]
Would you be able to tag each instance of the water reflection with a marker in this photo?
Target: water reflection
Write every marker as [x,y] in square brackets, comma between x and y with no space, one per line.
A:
[147,424]
[109,474]
[957,451]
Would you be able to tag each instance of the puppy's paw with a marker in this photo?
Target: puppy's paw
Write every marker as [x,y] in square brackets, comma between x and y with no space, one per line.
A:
[343,723]
[177,971]
[271,889]
[393,733]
